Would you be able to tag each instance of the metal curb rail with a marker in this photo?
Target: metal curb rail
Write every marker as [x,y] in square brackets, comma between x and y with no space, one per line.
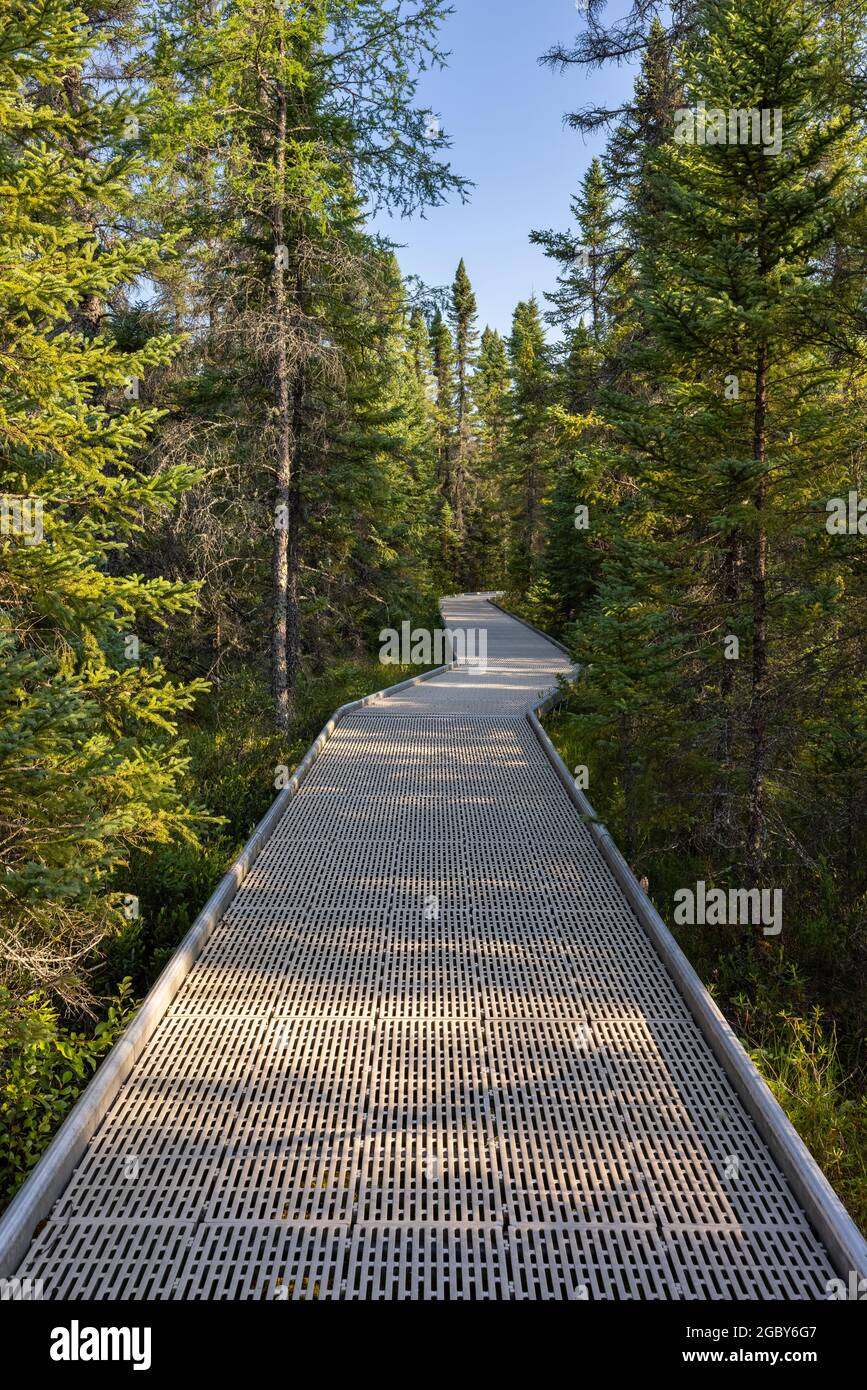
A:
[41,1189]
[831,1221]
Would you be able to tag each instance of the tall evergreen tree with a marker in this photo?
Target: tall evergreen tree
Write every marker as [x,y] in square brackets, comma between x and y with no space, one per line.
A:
[491,386]
[89,759]
[729,429]
[274,107]
[528,451]
[463,315]
[443,355]
[588,258]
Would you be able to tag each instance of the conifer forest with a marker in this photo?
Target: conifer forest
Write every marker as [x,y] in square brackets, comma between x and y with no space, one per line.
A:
[240,441]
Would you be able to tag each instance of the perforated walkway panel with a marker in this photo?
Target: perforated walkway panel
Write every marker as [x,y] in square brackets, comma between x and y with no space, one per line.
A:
[430,1054]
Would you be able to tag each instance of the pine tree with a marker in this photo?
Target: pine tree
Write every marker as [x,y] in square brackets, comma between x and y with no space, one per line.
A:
[463,317]
[277,121]
[491,386]
[372,532]
[418,342]
[529,446]
[89,759]
[646,123]
[443,355]
[734,290]
[730,427]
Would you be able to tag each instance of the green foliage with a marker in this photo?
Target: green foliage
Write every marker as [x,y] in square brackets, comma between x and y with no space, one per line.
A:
[302,391]
[219,161]
[43,1068]
[539,605]
[799,1056]
[709,403]
[89,759]
[311,457]
[528,453]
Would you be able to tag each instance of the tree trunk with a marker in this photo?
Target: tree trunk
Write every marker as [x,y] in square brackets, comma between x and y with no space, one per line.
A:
[459,471]
[283,462]
[293,557]
[721,802]
[756,833]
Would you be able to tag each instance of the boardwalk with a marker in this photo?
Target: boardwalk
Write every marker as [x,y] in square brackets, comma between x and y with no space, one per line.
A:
[430,1053]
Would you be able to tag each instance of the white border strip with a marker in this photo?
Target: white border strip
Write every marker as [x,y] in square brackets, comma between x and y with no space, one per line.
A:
[45,1184]
[831,1221]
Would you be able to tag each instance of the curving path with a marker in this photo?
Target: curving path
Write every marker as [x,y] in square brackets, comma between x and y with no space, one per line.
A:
[429,1053]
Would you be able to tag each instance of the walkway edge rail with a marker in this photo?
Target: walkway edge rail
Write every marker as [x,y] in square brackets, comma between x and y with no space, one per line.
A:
[39,1192]
[831,1221]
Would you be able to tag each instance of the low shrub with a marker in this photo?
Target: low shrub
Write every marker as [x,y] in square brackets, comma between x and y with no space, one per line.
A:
[43,1068]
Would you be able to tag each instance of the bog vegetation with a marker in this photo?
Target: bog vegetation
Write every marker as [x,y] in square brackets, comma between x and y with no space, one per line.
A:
[236,444]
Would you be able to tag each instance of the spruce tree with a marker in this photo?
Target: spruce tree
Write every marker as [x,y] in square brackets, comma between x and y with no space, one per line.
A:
[443,355]
[463,316]
[529,445]
[89,759]
[731,427]
[491,386]
[272,118]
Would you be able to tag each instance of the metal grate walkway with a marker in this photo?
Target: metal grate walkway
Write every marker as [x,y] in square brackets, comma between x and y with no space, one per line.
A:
[429,1053]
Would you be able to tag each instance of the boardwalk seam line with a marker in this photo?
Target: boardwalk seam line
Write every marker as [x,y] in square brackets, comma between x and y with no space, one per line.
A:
[43,1186]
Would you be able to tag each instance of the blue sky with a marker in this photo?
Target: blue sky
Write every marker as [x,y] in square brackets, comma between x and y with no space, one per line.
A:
[504,114]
